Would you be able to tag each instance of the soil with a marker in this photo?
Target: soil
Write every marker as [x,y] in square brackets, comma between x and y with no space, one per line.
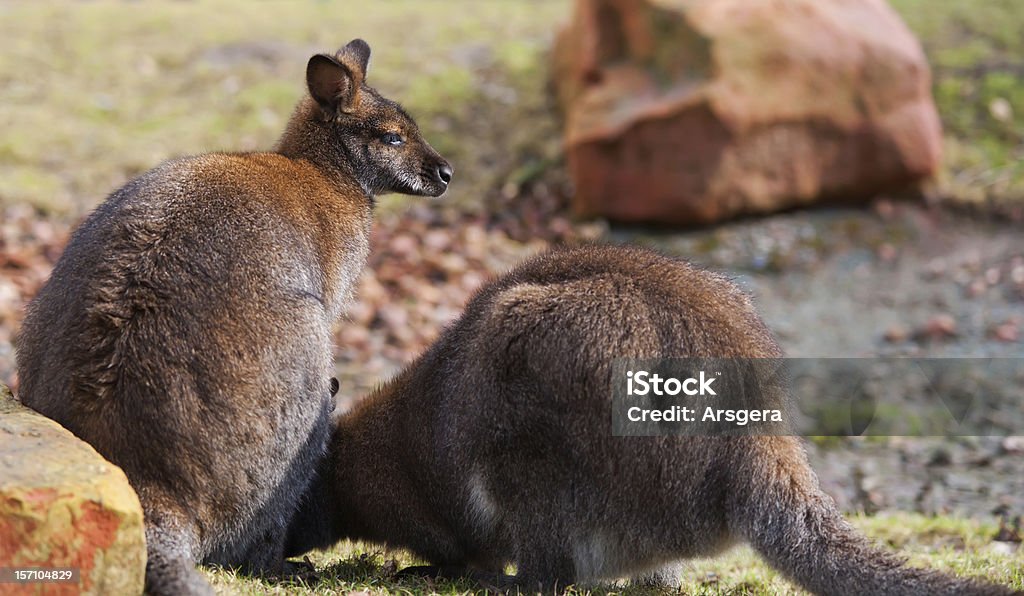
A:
[899,279]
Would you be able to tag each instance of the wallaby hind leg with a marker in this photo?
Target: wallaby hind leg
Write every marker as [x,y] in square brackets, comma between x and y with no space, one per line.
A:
[260,551]
[263,555]
[260,548]
[170,564]
[546,570]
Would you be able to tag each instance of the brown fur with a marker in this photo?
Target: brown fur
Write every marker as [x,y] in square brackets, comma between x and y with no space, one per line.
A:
[495,446]
[185,331]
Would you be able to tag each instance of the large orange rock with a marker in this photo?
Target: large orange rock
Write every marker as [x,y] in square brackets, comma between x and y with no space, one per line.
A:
[693,111]
[63,506]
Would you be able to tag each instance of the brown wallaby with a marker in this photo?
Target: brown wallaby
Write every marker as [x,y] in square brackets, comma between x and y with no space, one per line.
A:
[495,446]
[185,331]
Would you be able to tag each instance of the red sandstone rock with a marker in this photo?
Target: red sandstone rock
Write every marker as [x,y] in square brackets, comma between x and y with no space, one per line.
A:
[63,506]
[693,112]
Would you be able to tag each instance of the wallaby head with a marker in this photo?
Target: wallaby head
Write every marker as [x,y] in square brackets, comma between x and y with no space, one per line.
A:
[353,128]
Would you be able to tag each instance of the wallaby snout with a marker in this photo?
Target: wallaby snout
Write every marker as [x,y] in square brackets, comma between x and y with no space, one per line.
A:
[432,174]
[442,174]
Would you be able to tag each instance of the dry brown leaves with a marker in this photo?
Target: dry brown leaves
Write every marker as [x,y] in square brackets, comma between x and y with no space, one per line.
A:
[29,246]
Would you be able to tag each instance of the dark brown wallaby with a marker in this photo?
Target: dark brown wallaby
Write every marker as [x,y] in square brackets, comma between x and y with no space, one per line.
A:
[185,331]
[495,446]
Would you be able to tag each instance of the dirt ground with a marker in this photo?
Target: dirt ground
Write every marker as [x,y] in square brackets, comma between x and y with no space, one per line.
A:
[899,279]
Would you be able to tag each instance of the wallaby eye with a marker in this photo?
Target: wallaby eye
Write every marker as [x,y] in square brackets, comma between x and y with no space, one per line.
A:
[390,138]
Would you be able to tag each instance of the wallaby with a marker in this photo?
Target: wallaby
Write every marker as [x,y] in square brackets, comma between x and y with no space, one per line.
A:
[185,331]
[495,446]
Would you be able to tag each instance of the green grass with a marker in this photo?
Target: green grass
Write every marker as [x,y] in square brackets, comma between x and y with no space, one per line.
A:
[956,545]
[975,50]
[96,92]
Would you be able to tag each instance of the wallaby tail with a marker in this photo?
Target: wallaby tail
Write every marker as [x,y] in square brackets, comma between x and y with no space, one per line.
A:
[796,527]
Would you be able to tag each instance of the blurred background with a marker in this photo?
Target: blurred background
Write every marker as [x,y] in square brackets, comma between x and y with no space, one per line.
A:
[870,209]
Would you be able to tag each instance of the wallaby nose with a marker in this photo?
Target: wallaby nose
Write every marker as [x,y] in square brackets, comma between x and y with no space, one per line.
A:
[444,173]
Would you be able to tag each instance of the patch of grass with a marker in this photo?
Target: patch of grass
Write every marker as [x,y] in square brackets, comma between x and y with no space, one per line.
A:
[350,567]
[975,49]
[95,92]
[957,545]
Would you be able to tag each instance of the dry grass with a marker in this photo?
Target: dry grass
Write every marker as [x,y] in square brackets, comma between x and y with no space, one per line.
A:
[95,92]
[957,545]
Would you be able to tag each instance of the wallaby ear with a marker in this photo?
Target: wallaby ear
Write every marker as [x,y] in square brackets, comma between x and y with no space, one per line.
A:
[356,56]
[332,84]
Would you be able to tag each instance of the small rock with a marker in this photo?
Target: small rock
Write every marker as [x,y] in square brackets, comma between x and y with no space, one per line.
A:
[475,238]
[1008,332]
[977,288]
[509,190]
[896,333]
[935,268]
[1000,109]
[939,327]
[971,261]
[1003,549]
[962,277]
[884,208]
[1014,445]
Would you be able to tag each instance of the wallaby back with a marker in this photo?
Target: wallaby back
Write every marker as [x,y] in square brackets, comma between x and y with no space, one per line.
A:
[495,446]
[185,331]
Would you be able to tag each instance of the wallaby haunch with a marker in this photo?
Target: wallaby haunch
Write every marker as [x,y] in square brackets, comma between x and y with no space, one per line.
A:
[185,331]
[495,446]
